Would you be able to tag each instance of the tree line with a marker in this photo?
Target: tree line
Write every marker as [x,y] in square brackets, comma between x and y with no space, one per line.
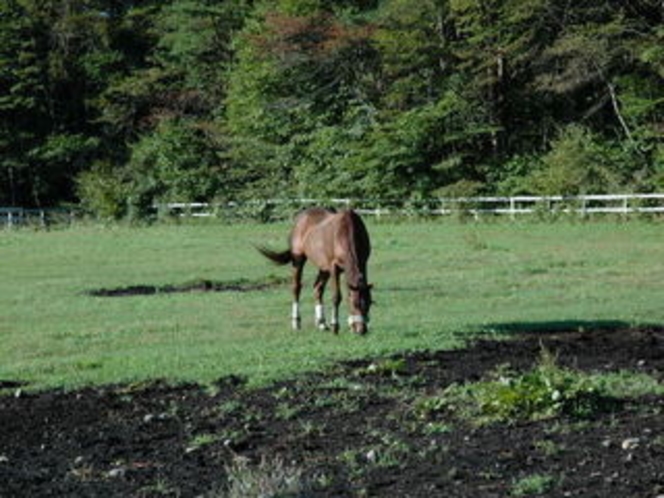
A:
[118,104]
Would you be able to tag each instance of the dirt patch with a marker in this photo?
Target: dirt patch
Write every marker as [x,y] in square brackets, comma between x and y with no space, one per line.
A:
[351,431]
[195,286]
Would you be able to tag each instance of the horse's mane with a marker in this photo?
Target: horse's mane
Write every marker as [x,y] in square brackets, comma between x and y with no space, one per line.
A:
[355,270]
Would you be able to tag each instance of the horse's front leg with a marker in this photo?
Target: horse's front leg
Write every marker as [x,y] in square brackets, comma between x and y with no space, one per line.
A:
[336,301]
[319,292]
[298,265]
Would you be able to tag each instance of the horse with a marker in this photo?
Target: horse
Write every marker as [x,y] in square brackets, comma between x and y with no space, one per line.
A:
[335,242]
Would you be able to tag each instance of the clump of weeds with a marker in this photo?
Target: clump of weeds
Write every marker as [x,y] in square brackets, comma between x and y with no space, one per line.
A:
[546,391]
[269,477]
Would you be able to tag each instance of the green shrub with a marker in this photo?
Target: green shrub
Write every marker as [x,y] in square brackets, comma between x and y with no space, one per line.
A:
[580,162]
[103,192]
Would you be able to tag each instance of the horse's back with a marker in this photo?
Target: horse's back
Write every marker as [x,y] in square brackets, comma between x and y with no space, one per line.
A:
[320,233]
[306,222]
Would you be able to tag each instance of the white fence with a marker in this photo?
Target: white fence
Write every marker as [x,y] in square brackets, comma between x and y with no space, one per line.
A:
[582,205]
[16,216]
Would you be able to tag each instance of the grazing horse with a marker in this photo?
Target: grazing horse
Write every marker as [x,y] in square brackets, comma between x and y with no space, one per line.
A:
[336,242]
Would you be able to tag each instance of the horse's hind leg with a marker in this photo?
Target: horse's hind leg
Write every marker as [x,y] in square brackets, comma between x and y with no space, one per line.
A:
[336,301]
[298,265]
[319,291]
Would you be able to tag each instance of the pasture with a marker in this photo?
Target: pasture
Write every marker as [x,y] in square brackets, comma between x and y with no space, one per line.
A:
[160,361]
[437,283]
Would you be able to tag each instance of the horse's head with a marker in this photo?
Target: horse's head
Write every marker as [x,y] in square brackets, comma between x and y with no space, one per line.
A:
[360,304]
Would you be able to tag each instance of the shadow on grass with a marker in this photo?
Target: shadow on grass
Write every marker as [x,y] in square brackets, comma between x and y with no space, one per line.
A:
[239,285]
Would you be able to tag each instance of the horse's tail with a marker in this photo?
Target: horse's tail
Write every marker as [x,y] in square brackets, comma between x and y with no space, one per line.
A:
[277,257]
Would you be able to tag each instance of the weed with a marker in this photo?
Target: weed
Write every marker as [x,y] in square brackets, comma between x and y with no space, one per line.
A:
[286,411]
[203,440]
[625,384]
[434,428]
[229,407]
[159,488]
[390,367]
[547,447]
[353,460]
[535,484]
[271,477]
[311,429]
[341,384]
[658,442]
[547,391]
[389,450]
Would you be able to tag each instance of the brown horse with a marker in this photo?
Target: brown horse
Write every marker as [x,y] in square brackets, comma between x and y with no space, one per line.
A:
[336,242]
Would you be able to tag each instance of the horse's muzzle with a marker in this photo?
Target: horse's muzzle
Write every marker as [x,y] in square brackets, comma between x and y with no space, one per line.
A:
[359,324]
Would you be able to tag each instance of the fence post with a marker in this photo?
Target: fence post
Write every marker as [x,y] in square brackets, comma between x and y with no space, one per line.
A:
[583,207]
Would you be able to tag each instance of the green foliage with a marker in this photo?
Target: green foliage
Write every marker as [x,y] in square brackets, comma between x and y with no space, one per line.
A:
[578,164]
[172,164]
[103,192]
[398,98]
[547,391]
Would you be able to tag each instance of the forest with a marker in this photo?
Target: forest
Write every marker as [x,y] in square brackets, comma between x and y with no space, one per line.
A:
[115,105]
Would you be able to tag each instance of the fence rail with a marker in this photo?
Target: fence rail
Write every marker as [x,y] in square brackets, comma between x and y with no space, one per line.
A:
[582,205]
[268,209]
[17,216]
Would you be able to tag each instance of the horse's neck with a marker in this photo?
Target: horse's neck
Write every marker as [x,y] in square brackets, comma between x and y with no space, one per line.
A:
[355,268]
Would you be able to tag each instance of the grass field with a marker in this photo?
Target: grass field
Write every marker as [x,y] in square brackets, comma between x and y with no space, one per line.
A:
[436,284]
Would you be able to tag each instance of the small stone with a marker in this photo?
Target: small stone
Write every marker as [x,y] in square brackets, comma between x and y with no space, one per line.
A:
[117,472]
[372,456]
[4,459]
[631,443]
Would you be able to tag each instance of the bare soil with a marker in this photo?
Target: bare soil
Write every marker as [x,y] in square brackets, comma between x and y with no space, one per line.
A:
[350,431]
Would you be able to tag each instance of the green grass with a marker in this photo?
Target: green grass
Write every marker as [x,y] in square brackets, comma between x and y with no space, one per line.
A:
[436,283]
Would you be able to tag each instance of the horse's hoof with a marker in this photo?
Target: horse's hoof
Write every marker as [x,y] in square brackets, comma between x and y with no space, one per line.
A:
[323,327]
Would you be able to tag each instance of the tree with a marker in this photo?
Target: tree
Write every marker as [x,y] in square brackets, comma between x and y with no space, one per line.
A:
[22,112]
[298,77]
